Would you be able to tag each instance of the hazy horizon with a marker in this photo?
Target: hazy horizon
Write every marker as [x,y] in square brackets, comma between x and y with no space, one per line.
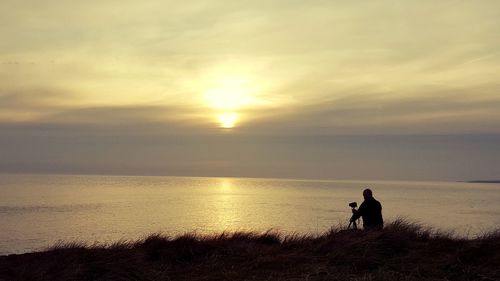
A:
[118,174]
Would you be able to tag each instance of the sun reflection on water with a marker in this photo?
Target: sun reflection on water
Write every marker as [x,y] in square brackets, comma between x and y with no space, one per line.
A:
[226,211]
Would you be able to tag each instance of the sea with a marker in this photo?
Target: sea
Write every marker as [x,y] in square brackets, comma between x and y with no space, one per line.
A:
[39,211]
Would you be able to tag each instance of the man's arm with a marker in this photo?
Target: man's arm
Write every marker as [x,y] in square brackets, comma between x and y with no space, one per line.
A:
[358,213]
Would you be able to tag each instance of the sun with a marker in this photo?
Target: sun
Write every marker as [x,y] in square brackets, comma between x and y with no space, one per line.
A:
[228,97]
[227,120]
[228,94]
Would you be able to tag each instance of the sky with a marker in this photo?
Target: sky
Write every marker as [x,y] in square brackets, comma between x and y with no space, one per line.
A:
[388,90]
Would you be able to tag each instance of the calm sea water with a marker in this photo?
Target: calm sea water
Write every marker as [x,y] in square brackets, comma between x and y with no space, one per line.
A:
[37,211]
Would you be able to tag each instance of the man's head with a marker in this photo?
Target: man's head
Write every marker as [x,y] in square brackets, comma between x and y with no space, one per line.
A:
[367,194]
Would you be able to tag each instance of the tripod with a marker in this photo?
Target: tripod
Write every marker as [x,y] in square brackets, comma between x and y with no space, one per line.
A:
[353,224]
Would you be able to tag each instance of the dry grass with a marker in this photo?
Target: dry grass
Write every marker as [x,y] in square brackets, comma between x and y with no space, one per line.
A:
[402,251]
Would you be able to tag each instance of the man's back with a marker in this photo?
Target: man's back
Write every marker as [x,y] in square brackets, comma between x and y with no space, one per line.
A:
[371,211]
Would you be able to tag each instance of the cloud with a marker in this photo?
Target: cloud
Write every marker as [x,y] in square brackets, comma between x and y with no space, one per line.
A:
[85,80]
[458,110]
[435,110]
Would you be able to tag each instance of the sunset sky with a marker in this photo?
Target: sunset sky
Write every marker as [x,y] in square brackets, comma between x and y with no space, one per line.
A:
[296,89]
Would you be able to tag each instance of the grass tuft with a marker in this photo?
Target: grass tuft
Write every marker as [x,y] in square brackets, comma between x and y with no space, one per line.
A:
[403,250]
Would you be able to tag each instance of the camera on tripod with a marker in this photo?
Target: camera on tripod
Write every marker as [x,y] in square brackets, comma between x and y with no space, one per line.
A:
[353,224]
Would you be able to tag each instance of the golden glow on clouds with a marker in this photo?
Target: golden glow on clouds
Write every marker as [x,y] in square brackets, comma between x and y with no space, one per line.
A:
[228,62]
[229,93]
[226,96]
[228,90]
[227,120]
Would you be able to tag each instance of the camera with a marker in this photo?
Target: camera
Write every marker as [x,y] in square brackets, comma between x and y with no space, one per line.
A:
[353,204]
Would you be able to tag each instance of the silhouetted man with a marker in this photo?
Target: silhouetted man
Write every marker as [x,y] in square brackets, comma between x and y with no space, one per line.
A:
[371,212]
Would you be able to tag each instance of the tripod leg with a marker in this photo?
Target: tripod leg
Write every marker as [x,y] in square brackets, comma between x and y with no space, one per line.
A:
[353,223]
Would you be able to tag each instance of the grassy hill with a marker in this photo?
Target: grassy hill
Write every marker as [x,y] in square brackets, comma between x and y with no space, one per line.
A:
[402,251]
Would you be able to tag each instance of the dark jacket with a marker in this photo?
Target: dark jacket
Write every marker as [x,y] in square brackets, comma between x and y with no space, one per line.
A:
[371,212]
